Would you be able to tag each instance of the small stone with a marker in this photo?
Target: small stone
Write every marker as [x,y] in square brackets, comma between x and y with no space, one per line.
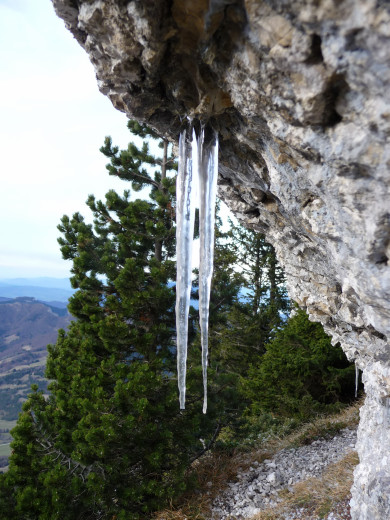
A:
[271,478]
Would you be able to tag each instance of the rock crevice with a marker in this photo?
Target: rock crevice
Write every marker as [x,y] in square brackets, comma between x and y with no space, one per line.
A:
[299,92]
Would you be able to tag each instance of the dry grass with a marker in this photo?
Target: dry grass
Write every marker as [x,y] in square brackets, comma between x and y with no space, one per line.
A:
[212,473]
[184,512]
[317,496]
[323,427]
[215,470]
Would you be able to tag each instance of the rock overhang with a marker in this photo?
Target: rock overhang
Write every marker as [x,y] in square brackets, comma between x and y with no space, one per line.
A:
[299,93]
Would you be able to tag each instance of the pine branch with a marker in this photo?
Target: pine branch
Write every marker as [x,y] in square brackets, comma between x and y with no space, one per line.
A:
[210,444]
[81,470]
[147,180]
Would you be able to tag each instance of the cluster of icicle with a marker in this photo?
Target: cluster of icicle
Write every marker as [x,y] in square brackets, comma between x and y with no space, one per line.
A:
[196,187]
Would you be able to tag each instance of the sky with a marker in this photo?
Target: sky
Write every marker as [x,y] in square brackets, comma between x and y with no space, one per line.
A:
[53,120]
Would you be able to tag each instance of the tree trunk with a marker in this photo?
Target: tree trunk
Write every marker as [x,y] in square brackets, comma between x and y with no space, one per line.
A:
[159,242]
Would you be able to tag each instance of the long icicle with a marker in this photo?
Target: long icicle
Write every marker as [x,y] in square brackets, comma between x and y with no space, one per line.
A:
[208,174]
[185,218]
[356,379]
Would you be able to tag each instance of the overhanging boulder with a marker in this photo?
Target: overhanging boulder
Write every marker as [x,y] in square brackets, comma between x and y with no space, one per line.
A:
[300,94]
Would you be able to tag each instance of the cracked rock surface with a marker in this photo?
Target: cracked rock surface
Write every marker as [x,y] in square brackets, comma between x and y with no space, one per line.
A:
[258,488]
[300,94]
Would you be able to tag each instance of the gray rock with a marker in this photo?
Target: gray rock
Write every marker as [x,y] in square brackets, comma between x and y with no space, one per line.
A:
[271,478]
[292,466]
[299,92]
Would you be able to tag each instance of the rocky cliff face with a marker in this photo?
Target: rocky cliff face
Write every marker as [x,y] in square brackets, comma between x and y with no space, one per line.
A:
[300,94]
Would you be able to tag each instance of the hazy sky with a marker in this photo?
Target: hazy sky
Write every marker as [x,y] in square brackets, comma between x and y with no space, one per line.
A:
[53,120]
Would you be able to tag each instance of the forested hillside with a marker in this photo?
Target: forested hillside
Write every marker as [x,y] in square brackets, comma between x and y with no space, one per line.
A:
[26,328]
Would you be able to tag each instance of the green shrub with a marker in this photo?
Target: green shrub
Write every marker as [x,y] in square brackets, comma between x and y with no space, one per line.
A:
[300,374]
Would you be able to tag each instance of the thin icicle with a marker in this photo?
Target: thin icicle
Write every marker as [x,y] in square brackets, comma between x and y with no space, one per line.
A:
[208,174]
[386,419]
[185,218]
[356,379]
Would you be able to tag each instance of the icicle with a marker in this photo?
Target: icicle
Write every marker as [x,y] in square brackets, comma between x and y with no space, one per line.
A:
[202,157]
[208,174]
[185,218]
[356,379]
[386,420]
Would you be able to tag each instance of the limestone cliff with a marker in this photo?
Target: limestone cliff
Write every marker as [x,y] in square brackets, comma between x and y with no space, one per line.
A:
[300,94]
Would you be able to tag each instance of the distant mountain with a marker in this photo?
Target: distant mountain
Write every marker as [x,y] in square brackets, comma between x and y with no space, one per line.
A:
[44,289]
[42,281]
[27,326]
[40,293]
[56,304]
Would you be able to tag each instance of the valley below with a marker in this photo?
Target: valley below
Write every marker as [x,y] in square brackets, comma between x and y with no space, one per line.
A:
[27,326]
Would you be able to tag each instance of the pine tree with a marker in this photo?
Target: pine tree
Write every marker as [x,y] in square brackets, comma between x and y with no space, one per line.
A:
[301,373]
[110,441]
[263,304]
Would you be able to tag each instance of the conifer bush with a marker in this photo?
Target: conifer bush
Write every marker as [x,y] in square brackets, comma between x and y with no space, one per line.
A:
[301,373]
[110,441]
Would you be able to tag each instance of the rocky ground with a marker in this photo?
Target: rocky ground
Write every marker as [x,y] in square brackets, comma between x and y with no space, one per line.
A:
[258,488]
